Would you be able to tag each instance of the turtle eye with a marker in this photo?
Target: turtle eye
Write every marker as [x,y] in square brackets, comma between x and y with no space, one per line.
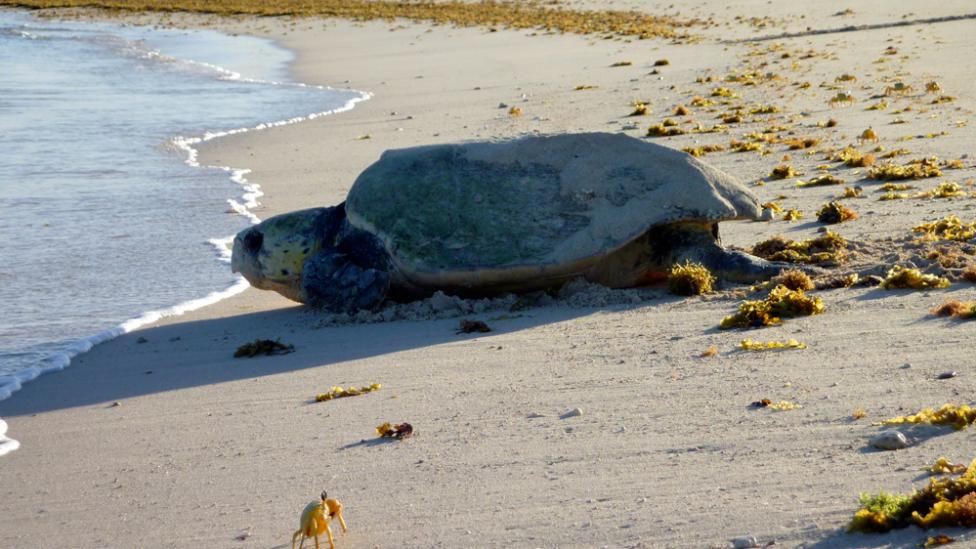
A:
[252,240]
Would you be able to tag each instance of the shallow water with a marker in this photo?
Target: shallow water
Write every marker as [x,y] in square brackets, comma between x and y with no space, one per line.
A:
[104,224]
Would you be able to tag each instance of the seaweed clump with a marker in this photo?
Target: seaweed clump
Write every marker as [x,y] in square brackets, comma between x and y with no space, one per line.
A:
[690,279]
[265,347]
[916,169]
[794,279]
[947,189]
[835,212]
[958,417]
[828,248]
[900,278]
[782,171]
[750,345]
[820,181]
[854,158]
[781,302]
[339,392]
[956,308]
[944,502]
[949,227]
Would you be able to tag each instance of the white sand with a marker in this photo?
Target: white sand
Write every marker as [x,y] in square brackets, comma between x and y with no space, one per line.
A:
[667,452]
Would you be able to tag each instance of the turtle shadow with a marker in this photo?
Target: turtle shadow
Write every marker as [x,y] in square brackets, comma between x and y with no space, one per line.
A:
[200,353]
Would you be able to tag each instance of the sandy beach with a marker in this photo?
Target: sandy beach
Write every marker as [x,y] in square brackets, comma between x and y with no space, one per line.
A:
[161,438]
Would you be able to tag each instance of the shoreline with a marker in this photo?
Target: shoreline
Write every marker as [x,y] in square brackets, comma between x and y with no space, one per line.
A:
[241,205]
[667,451]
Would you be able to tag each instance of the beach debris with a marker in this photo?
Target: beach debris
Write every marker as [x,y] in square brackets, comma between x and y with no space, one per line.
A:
[845,281]
[782,406]
[820,181]
[946,189]
[781,302]
[858,413]
[783,171]
[115,404]
[399,431]
[265,347]
[364,137]
[773,207]
[958,417]
[943,502]
[662,63]
[583,87]
[949,227]
[852,192]
[575,412]
[681,110]
[956,308]
[901,278]
[750,345]
[835,212]
[338,392]
[853,158]
[660,130]
[794,279]
[709,352]
[943,466]
[315,520]
[827,248]
[745,146]
[622,64]
[749,542]
[947,375]
[879,106]
[914,169]
[792,214]
[472,326]
[943,99]
[690,279]
[515,112]
[801,143]
[703,150]
[640,109]
[890,440]
[935,541]
[723,92]
[142,340]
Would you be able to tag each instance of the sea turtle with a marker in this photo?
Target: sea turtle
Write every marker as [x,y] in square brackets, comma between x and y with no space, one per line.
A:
[482,218]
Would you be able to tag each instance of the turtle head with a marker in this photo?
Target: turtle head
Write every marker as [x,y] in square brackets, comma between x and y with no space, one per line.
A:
[271,254]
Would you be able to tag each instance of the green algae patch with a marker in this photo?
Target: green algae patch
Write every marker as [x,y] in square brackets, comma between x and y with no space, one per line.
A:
[515,15]
[942,503]
[690,279]
[781,302]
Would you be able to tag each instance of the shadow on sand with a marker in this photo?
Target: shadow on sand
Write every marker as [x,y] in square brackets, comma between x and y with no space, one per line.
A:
[198,353]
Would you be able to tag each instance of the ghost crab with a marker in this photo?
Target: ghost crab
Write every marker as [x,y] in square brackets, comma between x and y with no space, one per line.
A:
[315,521]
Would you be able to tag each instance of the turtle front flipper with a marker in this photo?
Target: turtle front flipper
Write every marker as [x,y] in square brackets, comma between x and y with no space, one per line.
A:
[333,281]
[737,266]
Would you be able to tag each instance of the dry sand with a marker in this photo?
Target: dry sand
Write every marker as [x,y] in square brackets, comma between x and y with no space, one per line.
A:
[203,448]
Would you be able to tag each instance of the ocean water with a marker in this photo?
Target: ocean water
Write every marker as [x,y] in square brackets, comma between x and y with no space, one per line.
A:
[105,221]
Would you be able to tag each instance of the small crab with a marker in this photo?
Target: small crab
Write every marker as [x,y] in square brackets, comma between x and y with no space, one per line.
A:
[898,88]
[933,87]
[846,78]
[315,521]
[842,98]
[868,135]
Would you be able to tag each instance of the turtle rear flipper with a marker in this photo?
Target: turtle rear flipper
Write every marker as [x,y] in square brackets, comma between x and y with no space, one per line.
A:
[333,281]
